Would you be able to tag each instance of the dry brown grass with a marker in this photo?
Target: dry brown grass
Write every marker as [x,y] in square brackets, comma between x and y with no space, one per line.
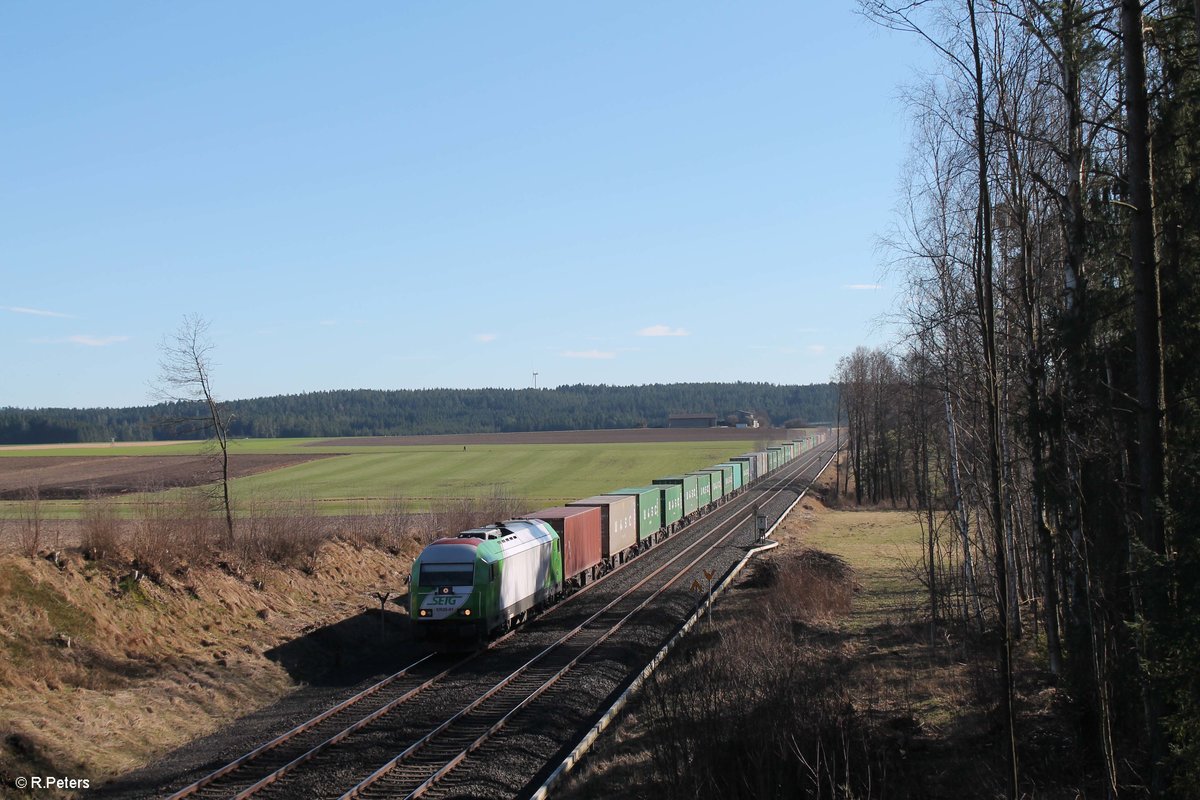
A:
[819,679]
[154,630]
[99,672]
[102,668]
[765,706]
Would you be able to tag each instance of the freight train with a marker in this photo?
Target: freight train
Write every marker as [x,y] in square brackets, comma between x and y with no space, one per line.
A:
[468,588]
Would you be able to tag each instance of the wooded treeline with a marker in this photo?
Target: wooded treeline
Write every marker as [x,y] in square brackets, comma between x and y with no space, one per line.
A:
[1041,409]
[428,411]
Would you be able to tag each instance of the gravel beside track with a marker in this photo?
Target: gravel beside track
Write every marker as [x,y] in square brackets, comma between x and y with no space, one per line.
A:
[535,738]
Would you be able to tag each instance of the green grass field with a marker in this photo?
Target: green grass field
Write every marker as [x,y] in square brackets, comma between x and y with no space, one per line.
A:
[542,474]
[884,548]
[357,476]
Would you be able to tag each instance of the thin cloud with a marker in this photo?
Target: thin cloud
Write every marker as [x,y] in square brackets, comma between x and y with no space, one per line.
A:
[96,341]
[37,312]
[662,330]
[816,348]
[485,338]
[862,286]
[84,339]
[589,354]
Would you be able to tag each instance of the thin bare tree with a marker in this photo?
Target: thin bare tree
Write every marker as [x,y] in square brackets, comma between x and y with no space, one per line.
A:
[185,381]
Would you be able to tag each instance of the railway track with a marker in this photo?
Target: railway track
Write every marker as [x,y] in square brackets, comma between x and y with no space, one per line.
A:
[427,724]
[273,759]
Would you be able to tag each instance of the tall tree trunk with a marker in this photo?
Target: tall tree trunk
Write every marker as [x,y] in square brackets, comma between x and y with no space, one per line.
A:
[1034,413]
[1196,7]
[927,495]
[1148,345]
[986,305]
[962,524]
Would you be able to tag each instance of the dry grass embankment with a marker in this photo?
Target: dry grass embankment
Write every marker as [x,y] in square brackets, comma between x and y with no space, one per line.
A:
[154,632]
[818,679]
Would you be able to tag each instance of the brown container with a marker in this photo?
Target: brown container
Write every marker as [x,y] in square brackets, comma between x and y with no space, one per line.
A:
[618,521]
[579,529]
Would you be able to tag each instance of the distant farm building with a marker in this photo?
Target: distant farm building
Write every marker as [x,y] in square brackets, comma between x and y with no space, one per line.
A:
[692,421]
[747,419]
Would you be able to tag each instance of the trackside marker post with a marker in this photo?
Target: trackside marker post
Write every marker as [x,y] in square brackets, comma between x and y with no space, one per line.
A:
[382,597]
[708,575]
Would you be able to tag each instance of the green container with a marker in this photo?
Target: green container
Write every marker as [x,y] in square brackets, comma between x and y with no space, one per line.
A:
[789,451]
[738,473]
[671,503]
[649,507]
[749,463]
[704,494]
[774,458]
[726,473]
[717,476]
[690,486]
[730,484]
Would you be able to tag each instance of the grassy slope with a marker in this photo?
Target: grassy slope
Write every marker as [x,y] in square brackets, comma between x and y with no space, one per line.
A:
[98,675]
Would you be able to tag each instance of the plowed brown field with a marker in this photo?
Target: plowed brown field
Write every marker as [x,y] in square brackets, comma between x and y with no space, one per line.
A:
[71,477]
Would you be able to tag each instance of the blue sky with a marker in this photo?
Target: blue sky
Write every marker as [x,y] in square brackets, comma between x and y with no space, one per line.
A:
[406,195]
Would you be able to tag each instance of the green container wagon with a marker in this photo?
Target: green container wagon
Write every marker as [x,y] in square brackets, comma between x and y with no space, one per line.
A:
[749,469]
[703,488]
[726,478]
[671,503]
[717,477]
[690,487]
[649,506]
[738,473]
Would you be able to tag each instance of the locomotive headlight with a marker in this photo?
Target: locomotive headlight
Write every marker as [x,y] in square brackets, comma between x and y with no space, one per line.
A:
[424,612]
[466,612]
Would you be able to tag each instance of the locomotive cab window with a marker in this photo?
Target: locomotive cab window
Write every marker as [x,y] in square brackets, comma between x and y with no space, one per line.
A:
[445,575]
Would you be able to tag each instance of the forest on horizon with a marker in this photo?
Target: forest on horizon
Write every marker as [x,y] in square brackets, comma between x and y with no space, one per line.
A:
[369,412]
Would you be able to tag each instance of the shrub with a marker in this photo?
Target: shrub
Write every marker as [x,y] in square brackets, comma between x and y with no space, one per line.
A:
[101,530]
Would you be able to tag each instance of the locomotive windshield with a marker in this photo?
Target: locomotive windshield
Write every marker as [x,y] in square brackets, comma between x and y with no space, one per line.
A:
[446,575]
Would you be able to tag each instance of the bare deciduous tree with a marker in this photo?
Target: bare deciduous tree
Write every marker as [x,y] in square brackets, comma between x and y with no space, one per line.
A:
[185,381]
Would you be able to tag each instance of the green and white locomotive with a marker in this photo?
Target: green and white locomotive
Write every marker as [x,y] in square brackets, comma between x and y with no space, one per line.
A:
[467,587]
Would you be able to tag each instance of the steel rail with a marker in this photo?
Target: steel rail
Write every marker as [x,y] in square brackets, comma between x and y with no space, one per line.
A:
[241,761]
